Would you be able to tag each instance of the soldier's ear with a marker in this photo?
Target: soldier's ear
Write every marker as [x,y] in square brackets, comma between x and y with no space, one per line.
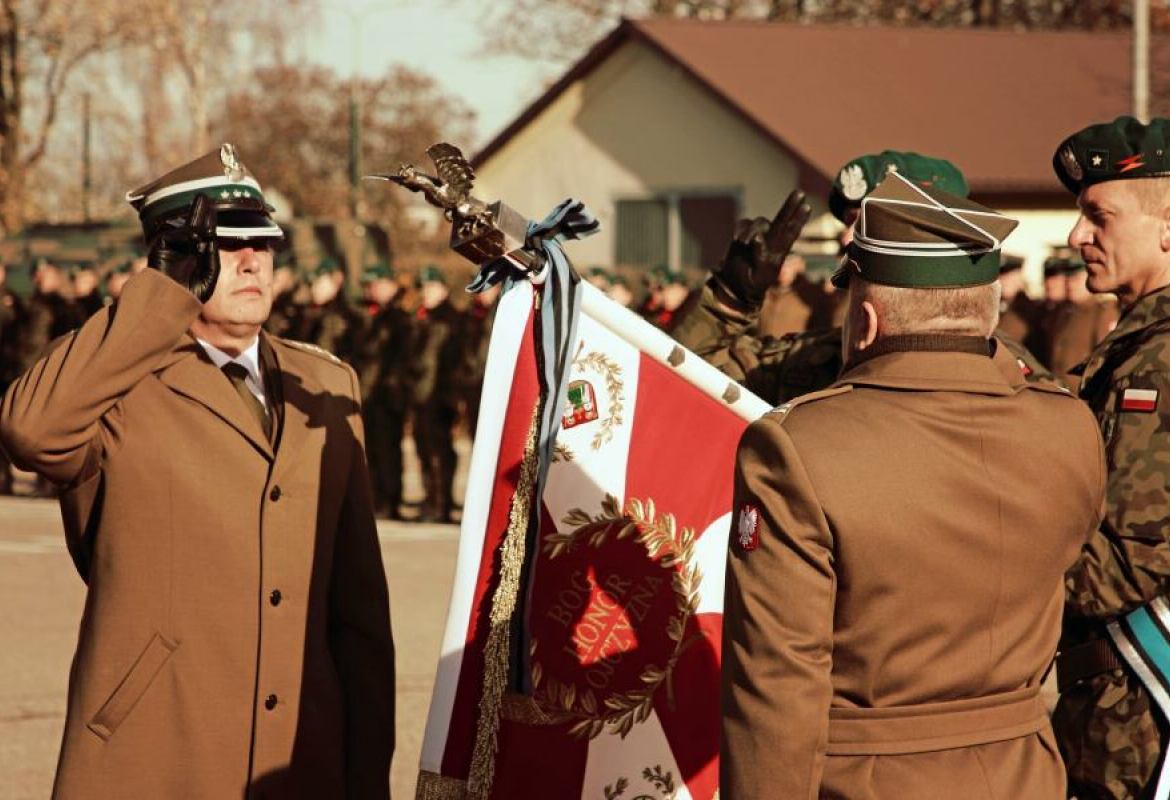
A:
[1164,230]
[869,322]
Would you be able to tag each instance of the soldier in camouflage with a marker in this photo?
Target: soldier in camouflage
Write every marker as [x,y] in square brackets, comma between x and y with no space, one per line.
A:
[1110,733]
[723,326]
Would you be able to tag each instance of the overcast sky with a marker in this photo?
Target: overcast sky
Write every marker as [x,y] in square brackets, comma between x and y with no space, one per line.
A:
[441,38]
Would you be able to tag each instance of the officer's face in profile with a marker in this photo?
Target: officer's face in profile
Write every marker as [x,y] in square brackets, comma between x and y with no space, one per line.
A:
[1125,244]
[243,293]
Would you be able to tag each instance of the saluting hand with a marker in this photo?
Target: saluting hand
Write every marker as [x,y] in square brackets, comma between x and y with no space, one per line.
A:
[758,249]
[188,253]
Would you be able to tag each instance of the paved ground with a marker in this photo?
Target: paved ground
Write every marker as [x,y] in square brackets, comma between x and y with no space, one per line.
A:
[41,599]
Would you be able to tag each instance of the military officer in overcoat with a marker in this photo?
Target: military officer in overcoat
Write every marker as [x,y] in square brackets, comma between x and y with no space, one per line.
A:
[236,637]
[1111,732]
[894,585]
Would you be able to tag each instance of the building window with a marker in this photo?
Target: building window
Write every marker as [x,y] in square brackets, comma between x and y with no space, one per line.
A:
[683,230]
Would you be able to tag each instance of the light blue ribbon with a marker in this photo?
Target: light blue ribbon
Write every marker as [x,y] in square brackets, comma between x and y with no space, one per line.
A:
[560,308]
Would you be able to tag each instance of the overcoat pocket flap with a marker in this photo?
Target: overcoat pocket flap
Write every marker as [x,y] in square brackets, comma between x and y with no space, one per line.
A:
[132,687]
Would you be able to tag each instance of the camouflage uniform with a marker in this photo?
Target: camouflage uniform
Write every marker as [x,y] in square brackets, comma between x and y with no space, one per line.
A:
[1110,738]
[780,369]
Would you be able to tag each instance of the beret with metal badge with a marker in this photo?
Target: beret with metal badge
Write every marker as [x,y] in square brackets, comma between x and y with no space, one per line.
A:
[861,175]
[1118,150]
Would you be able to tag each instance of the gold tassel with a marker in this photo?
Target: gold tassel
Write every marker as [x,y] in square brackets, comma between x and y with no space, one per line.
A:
[495,662]
[432,786]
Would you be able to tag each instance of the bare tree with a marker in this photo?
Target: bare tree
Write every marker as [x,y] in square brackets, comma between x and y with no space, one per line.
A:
[43,46]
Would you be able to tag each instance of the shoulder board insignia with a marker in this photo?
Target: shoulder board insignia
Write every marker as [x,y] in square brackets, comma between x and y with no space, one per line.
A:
[780,413]
[313,349]
[1050,386]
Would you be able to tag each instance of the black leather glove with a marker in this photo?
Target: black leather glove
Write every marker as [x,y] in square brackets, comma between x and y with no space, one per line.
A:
[758,249]
[187,254]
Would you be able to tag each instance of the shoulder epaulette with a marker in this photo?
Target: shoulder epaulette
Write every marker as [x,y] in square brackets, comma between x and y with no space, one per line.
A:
[1052,387]
[312,349]
[781,412]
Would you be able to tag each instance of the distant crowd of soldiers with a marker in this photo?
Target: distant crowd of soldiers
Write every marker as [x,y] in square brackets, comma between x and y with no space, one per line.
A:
[1060,328]
[421,360]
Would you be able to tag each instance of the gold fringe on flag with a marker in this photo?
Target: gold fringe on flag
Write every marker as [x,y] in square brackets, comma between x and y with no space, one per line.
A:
[432,786]
[495,662]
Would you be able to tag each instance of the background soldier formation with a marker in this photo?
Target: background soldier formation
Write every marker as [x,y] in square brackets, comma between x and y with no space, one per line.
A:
[422,367]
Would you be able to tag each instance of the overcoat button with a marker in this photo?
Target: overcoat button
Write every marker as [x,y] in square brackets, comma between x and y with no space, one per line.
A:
[275,597]
[274,495]
[270,702]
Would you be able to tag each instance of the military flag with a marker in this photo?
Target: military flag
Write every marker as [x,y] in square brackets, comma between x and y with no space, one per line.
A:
[611,614]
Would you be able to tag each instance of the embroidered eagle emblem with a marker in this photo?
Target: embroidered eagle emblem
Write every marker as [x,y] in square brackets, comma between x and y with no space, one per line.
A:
[853,184]
[748,535]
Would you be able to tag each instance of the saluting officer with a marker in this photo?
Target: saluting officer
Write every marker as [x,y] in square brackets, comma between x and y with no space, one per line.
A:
[895,581]
[236,637]
[1108,721]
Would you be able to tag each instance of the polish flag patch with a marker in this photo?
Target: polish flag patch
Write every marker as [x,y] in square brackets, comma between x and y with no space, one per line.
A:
[1024,368]
[748,531]
[1139,400]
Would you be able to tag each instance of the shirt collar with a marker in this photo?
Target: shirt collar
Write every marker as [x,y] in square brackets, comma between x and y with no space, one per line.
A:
[250,358]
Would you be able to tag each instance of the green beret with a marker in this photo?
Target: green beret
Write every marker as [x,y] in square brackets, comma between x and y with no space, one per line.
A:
[600,272]
[429,273]
[913,236]
[1010,263]
[377,271]
[1122,149]
[326,266]
[859,177]
[659,275]
[1063,260]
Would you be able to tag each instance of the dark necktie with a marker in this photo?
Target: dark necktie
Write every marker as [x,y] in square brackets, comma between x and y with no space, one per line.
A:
[238,375]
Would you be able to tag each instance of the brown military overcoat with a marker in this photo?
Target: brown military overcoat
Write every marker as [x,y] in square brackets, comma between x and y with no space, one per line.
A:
[236,635]
[894,586]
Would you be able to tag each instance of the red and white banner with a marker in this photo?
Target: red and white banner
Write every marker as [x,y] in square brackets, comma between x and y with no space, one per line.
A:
[625,607]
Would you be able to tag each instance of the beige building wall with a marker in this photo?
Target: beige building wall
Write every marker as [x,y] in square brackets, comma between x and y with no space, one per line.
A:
[1038,232]
[633,127]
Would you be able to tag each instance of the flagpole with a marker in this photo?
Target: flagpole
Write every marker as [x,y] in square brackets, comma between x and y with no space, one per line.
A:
[1141,59]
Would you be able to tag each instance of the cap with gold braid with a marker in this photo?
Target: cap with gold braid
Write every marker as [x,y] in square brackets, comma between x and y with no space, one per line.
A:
[913,236]
[241,211]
